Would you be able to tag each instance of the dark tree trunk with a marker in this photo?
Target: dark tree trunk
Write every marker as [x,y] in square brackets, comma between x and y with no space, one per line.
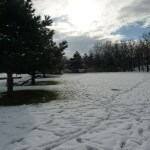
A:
[139,68]
[140,65]
[33,78]
[44,75]
[147,62]
[147,68]
[9,84]
[142,62]
[131,64]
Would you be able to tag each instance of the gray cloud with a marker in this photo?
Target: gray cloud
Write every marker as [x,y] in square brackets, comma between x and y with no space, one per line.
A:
[110,16]
[137,11]
[76,43]
[63,18]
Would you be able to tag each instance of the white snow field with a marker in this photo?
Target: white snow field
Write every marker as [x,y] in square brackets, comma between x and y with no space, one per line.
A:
[97,111]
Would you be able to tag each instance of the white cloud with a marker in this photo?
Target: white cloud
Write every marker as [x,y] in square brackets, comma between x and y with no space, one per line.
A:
[147,23]
[94,18]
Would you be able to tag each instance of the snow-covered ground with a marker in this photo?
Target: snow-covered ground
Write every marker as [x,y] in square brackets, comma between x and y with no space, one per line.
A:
[101,111]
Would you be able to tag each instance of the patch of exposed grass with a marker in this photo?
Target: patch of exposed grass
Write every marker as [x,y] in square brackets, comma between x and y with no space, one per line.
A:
[28,97]
[48,76]
[40,83]
[47,83]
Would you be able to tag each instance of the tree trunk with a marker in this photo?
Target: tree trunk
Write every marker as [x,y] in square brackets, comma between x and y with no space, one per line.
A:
[147,68]
[147,62]
[44,75]
[9,84]
[33,79]
[139,68]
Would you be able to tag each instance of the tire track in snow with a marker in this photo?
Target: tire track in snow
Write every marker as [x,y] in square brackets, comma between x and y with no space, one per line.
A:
[110,106]
[76,134]
[109,110]
[60,141]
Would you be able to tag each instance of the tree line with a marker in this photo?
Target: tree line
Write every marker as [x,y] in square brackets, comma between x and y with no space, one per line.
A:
[113,56]
[26,42]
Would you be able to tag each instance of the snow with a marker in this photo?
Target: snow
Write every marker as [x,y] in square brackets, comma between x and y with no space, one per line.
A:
[96,111]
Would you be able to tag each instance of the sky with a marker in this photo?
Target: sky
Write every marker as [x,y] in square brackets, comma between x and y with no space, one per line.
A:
[85,22]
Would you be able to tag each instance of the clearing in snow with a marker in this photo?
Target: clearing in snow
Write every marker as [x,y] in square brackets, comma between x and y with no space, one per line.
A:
[97,111]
